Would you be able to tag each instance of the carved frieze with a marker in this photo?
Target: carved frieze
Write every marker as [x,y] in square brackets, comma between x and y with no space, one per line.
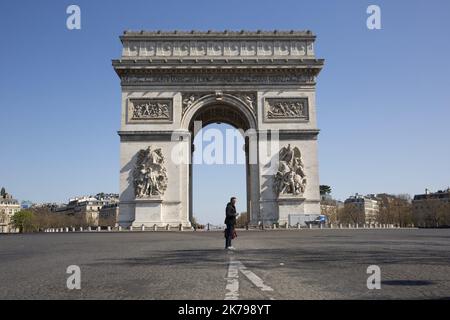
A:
[286,109]
[225,48]
[148,110]
[218,79]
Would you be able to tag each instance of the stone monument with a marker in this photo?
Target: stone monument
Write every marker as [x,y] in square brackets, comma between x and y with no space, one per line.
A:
[261,82]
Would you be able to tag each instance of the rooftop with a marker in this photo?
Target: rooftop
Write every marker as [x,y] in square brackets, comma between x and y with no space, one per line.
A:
[219,34]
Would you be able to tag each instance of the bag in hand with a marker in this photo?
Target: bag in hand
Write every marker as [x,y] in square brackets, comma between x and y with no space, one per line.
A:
[233,235]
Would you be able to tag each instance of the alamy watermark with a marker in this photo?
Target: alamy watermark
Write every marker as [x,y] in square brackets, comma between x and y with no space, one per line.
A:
[74,280]
[218,147]
[73,21]
[374,279]
[373,21]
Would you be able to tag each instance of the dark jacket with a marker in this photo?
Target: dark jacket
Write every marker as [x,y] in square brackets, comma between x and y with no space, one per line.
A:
[230,214]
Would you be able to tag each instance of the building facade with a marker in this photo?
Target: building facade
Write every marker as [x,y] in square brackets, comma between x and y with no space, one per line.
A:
[87,208]
[330,207]
[432,209]
[366,207]
[109,215]
[8,207]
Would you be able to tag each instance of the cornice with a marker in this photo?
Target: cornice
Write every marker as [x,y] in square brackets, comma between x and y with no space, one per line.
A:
[218,35]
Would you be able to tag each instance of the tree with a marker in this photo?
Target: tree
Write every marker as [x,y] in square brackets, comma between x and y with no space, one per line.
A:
[194,222]
[437,213]
[3,192]
[330,210]
[242,220]
[394,210]
[324,189]
[351,213]
[24,221]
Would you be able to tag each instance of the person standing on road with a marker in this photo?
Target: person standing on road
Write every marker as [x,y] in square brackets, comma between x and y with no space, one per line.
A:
[230,221]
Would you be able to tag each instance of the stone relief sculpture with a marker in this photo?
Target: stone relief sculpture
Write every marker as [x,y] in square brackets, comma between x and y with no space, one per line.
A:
[150,109]
[189,98]
[286,108]
[290,178]
[150,176]
[205,79]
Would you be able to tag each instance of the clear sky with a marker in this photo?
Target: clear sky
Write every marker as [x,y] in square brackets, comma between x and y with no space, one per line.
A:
[383,98]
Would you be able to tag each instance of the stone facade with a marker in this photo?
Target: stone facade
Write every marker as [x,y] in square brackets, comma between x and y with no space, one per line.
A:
[87,208]
[367,207]
[260,82]
[109,215]
[431,209]
[8,207]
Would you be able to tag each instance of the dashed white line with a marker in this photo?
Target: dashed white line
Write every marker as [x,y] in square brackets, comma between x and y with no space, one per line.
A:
[257,281]
[232,286]
[232,281]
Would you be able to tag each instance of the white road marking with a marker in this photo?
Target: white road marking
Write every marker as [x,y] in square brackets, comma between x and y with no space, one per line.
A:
[232,286]
[257,281]
[232,281]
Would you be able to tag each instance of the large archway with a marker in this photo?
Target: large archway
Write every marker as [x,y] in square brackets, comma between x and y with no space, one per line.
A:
[215,110]
[260,82]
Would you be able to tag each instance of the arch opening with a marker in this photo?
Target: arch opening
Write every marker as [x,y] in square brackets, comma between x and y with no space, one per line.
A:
[221,116]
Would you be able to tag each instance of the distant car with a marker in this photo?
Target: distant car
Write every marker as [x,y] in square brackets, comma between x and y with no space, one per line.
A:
[320,220]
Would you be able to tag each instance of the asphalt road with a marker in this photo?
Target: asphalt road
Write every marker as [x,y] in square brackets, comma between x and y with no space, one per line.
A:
[306,264]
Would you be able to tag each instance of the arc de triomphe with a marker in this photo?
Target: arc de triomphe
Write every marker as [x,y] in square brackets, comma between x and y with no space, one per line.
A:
[260,82]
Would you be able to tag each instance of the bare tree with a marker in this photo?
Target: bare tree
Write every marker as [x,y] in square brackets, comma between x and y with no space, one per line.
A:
[394,210]
[351,213]
[242,220]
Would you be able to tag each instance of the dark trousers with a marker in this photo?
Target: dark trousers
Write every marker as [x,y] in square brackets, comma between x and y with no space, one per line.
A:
[228,235]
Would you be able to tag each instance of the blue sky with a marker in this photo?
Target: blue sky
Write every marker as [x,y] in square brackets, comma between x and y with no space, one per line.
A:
[382,99]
